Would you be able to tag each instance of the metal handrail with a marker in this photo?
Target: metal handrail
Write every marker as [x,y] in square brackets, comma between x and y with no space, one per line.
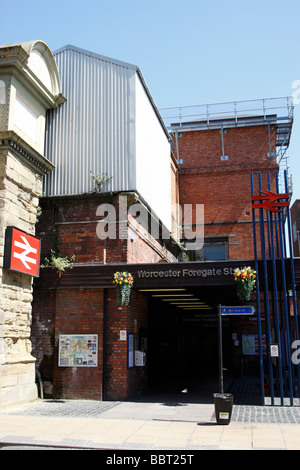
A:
[207,113]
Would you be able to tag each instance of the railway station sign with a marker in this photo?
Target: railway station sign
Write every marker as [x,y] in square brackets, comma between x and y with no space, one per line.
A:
[270,201]
[22,252]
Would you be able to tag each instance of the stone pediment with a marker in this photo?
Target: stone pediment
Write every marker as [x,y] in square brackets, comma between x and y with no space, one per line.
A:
[33,64]
[29,86]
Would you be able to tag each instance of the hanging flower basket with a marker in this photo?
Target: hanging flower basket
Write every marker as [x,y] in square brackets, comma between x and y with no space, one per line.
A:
[245,279]
[124,282]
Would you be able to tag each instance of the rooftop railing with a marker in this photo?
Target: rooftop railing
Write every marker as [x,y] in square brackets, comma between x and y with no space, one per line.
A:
[278,112]
[211,115]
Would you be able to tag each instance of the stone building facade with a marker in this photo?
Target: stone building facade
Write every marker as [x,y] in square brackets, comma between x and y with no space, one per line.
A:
[29,85]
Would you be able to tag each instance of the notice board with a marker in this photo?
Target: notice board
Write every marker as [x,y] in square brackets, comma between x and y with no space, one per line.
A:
[250,345]
[78,351]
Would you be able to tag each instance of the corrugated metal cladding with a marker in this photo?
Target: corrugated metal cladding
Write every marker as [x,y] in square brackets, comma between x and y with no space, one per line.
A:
[91,132]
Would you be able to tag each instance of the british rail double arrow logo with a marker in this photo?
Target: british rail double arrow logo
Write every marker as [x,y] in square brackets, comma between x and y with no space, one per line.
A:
[22,252]
[27,249]
[270,201]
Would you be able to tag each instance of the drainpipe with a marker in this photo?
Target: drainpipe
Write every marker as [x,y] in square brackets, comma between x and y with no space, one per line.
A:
[104,344]
[40,382]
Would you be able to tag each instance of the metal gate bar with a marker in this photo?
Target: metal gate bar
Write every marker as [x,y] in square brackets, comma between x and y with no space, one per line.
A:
[276,244]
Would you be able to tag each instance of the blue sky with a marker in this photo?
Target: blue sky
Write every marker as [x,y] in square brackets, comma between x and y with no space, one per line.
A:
[192,52]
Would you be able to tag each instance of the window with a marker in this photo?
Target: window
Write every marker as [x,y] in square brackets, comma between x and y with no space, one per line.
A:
[214,249]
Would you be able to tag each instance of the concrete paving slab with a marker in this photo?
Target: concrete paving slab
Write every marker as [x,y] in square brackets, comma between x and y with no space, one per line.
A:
[146,427]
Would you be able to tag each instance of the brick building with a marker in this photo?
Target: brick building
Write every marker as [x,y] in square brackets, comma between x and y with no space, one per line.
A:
[110,128]
[217,156]
[111,132]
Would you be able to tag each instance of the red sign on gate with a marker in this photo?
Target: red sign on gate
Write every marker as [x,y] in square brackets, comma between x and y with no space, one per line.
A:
[22,252]
[269,200]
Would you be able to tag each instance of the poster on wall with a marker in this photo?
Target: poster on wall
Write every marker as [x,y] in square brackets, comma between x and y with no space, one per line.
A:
[250,345]
[78,351]
[130,351]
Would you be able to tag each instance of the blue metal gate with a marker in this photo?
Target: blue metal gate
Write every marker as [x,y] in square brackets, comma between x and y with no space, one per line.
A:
[272,235]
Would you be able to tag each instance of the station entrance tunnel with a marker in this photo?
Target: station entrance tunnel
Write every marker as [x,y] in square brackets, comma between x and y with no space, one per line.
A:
[183,347]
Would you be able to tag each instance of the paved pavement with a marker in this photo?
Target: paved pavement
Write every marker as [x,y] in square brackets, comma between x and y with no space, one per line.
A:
[169,419]
[147,425]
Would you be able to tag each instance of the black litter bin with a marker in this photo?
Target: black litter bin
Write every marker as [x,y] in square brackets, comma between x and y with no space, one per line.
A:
[223,407]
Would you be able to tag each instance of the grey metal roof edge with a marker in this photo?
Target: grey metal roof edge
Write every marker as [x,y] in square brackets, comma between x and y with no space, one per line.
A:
[95,55]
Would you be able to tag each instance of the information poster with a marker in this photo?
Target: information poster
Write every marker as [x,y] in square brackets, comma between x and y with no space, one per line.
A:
[78,350]
[250,345]
[130,351]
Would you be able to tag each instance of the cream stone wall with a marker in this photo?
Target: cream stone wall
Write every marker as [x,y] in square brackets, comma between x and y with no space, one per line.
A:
[29,85]
[20,188]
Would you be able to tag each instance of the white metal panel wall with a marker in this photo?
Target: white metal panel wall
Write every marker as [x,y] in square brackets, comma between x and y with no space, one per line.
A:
[93,131]
[153,161]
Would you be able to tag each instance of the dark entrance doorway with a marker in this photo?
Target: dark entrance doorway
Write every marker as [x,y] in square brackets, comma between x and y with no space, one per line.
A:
[183,339]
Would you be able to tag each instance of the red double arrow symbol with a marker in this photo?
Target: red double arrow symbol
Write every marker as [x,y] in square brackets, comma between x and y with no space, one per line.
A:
[23,257]
[22,252]
[268,201]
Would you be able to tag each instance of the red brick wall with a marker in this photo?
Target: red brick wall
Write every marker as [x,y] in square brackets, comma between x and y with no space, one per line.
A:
[224,186]
[79,312]
[246,147]
[175,198]
[75,223]
[144,247]
[43,331]
[122,382]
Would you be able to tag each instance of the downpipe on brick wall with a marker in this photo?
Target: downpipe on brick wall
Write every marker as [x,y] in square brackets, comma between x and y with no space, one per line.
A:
[40,382]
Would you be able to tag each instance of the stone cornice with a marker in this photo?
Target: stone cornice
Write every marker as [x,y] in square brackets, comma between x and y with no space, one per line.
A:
[11,141]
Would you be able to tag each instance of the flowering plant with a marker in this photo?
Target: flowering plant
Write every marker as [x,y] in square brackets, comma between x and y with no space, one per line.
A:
[245,279]
[124,282]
